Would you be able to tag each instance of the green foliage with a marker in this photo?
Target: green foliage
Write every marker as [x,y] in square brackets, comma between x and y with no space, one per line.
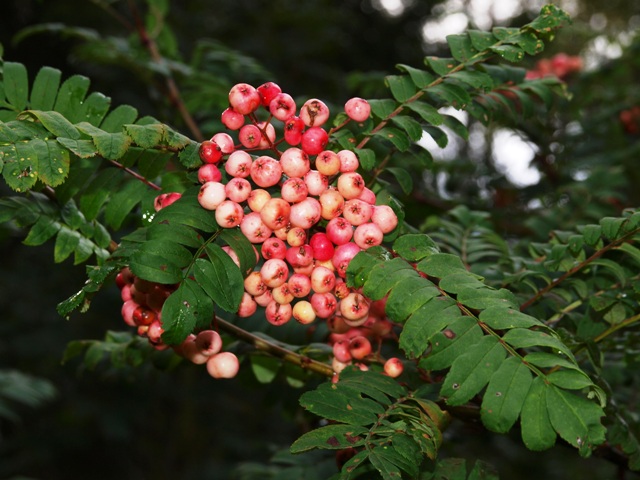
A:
[517,330]
[17,388]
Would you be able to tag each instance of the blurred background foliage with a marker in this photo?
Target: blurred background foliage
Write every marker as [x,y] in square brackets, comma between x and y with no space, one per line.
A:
[572,165]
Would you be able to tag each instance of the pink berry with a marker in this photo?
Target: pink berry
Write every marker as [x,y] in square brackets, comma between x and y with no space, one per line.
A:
[229,214]
[294,190]
[223,365]
[211,195]
[301,256]
[210,152]
[354,307]
[238,164]
[323,280]
[314,140]
[357,212]
[360,347]
[324,304]
[268,135]
[296,237]
[328,163]
[282,106]
[274,272]
[248,306]
[357,109]
[339,231]
[306,213]
[267,93]
[224,141]
[332,203]
[299,285]
[244,98]
[303,312]
[393,367]
[341,351]
[250,136]
[316,182]
[368,235]
[348,161]
[254,229]
[275,213]
[266,171]
[232,119]
[385,218]
[209,172]
[322,247]
[282,294]
[253,284]
[273,248]
[295,163]
[238,189]
[293,128]
[257,199]
[350,185]
[343,255]
[208,342]
[278,313]
[314,112]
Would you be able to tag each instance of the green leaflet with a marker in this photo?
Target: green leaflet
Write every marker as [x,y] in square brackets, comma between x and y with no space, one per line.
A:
[536,429]
[407,296]
[16,85]
[505,395]
[330,437]
[220,278]
[183,310]
[45,89]
[415,247]
[471,371]
[427,321]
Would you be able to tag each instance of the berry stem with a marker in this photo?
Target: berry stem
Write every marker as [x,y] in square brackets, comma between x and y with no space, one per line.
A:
[264,345]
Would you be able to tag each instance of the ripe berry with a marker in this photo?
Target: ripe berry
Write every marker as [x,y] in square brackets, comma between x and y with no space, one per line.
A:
[282,106]
[210,152]
[267,92]
[314,140]
[293,128]
[232,119]
[223,365]
[393,367]
[314,113]
[244,98]
[357,109]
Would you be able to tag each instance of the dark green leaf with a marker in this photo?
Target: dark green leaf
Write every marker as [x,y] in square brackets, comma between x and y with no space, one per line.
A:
[428,112]
[415,247]
[71,96]
[451,94]
[66,242]
[190,156]
[385,275]
[81,148]
[42,230]
[522,338]
[423,324]
[401,86]
[420,78]
[146,136]
[474,78]
[118,118]
[536,429]
[220,277]
[53,161]
[183,310]
[409,125]
[94,108]
[383,108]
[481,40]
[407,296]
[16,84]
[471,371]
[503,318]
[123,201]
[404,178]
[441,264]
[460,335]
[396,136]
[45,89]
[330,437]
[366,157]
[242,247]
[461,47]
[442,66]
[505,395]
[55,123]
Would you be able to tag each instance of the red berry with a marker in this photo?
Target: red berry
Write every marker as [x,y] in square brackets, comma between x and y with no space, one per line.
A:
[210,152]
[314,140]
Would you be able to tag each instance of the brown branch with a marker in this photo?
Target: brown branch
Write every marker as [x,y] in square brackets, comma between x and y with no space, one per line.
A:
[276,350]
[175,98]
[540,293]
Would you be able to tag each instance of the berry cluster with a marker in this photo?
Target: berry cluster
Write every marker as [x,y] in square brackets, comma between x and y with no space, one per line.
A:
[142,309]
[304,207]
[560,65]
[630,120]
